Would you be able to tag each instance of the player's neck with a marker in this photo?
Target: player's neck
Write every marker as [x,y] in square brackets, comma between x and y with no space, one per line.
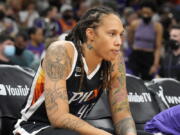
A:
[92,59]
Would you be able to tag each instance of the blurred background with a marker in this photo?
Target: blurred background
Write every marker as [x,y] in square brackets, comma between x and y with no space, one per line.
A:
[27,27]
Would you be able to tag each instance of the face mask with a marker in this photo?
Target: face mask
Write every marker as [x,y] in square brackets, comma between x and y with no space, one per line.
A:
[173,44]
[19,51]
[146,20]
[9,50]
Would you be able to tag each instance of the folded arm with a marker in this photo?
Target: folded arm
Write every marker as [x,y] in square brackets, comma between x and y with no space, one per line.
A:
[57,65]
[122,118]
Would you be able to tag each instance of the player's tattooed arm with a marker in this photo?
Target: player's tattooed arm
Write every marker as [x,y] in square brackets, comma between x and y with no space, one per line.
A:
[122,118]
[56,67]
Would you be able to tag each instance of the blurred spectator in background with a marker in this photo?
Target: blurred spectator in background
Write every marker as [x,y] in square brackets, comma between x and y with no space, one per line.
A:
[57,17]
[134,4]
[176,14]
[7,49]
[122,4]
[166,19]
[67,21]
[42,5]
[169,14]
[7,25]
[81,9]
[49,22]
[10,13]
[59,3]
[28,15]
[22,57]
[170,66]
[15,4]
[36,42]
[129,15]
[145,38]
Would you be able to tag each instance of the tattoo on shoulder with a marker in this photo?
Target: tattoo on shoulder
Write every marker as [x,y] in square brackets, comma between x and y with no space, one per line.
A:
[56,62]
[125,126]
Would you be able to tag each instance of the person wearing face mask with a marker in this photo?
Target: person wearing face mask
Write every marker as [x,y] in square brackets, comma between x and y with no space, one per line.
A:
[22,57]
[145,37]
[67,22]
[7,50]
[170,66]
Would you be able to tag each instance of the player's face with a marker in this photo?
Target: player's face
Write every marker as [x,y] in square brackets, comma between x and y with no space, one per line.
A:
[108,37]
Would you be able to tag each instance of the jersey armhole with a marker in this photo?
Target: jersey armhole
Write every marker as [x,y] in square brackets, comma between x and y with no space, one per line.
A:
[74,60]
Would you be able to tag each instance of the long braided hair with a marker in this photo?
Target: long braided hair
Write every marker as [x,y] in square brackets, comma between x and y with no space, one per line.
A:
[90,19]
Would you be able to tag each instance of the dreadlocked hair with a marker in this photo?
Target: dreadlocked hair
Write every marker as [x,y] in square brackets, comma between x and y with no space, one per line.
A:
[91,19]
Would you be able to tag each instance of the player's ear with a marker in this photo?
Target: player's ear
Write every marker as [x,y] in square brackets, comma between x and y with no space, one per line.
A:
[90,34]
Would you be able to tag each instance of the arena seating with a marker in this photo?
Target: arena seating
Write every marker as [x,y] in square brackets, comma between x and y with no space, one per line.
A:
[140,99]
[100,115]
[15,85]
[143,104]
[167,89]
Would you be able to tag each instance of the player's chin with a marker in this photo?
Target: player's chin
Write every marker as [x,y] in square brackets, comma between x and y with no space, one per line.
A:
[110,58]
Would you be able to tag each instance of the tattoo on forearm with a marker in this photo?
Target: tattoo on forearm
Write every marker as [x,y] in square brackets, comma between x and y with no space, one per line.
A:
[121,106]
[72,123]
[119,94]
[119,99]
[125,126]
[52,95]
[56,63]
[122,72]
